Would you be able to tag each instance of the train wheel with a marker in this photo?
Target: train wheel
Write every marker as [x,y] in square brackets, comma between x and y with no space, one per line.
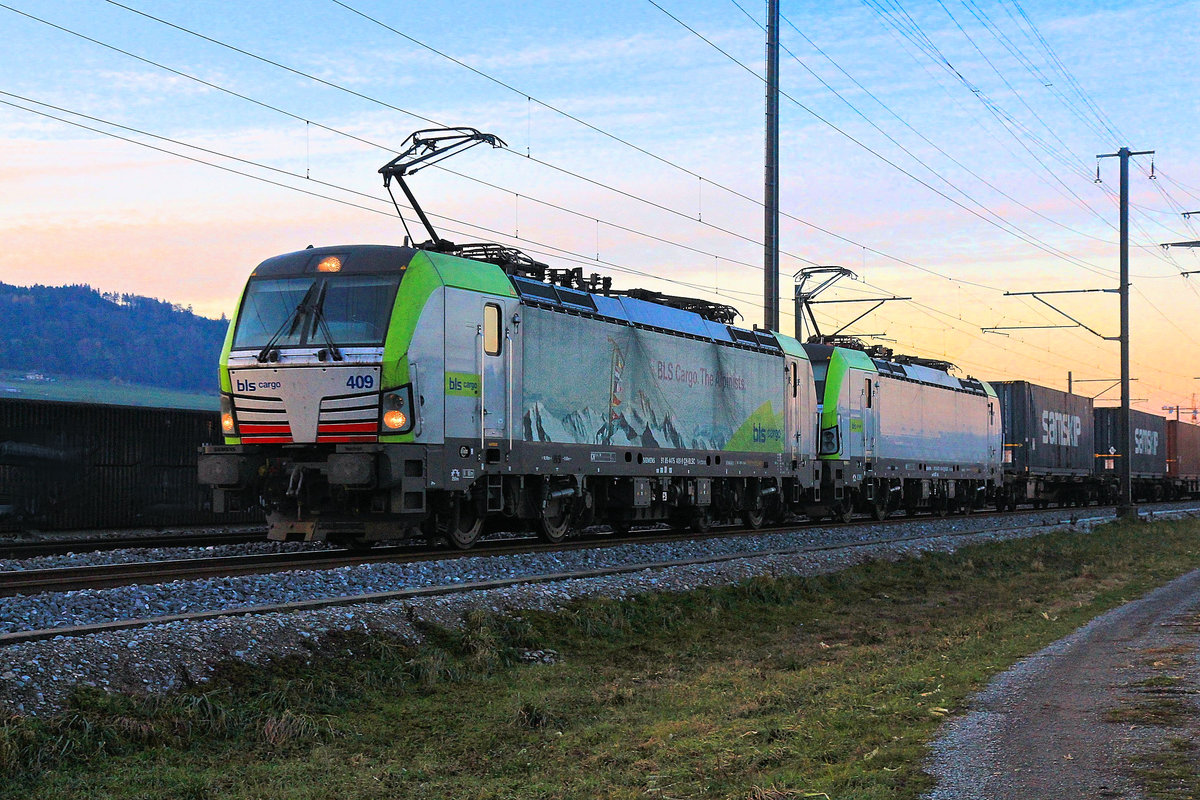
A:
[701,521]
[359,544]
[555,522]
[753,517]
[879,509]
[463,526]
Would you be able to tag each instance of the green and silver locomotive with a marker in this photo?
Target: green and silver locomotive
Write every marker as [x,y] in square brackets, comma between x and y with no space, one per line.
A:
[373,391]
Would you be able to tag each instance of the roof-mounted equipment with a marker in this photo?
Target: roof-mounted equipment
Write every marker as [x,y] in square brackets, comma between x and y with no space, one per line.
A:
[510,259]
[425,148]
[932,363]
[716,312]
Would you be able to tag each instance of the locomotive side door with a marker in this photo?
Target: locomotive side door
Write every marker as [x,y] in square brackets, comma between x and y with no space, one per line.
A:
[858,407]
[792,428]
[800,397]
[869,415]
[494,353]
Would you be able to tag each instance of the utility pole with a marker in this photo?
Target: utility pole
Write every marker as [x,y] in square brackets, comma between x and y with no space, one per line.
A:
[1125,505]
[771,177]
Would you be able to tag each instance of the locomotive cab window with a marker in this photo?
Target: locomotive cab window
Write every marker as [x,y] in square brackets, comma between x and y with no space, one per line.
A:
[867,392]
[795,380]
[302,311]
[491,329]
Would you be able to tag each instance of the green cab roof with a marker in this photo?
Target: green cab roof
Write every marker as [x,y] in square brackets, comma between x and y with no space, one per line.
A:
[465,273]
[790,346]
[856,359]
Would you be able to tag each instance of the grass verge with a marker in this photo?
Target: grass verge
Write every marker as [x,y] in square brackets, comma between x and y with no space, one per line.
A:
[1170,768]
[769,689]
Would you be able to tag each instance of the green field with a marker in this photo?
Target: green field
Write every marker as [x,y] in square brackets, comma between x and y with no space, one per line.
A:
[87,390]
[770,689]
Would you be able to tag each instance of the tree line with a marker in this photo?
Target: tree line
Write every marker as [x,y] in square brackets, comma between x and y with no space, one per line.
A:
[78,331]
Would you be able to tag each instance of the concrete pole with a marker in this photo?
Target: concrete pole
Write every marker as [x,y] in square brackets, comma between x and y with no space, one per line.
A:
[771,177]
[1125,505]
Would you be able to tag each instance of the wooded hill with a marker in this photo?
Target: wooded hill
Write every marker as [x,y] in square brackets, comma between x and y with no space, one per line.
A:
[80,332]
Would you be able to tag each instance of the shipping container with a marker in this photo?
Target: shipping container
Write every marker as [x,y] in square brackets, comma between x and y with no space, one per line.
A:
[1047,433]
[1148,439]
[79,465]
[1183,450]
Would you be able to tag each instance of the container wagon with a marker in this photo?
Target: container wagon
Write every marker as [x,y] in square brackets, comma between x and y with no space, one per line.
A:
[1183,457]
[74,465]
[1049,453]
[1147,462]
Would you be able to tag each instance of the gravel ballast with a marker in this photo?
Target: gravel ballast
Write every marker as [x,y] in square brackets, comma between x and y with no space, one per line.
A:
[93,606]
[36,677]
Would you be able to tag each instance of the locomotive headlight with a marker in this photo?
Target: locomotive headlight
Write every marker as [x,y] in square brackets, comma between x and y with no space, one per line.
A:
[228,425]
[397,410]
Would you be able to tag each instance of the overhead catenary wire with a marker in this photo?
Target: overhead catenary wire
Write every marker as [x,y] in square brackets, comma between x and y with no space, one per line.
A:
[812,226]
[532,246]
[1012,230]
[959,282]
[362,140]
[905,24]
[384,208]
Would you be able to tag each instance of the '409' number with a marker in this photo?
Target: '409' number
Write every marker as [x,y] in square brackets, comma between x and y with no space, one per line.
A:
[361,382]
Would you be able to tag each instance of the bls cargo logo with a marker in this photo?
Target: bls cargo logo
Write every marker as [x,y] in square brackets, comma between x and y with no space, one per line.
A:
[1060,428]
[763,434]
[462,384]
[1145,443]
[250,386]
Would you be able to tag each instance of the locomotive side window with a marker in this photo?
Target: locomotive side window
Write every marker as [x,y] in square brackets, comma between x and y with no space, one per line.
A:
[991,414]
[491,329]
[795,380]
[868,392]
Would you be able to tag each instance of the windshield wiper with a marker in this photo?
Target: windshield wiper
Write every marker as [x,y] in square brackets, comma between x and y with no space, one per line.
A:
[291,322]
[319,323]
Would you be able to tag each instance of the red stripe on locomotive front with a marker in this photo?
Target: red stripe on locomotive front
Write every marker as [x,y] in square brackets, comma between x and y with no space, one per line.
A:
[252,429]
[347,427]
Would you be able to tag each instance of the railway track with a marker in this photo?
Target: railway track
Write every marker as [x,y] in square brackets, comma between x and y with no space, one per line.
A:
[461,587]
[51,547]
[64,579]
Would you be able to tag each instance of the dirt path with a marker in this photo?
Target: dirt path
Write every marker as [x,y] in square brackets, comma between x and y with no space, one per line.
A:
[1042,729]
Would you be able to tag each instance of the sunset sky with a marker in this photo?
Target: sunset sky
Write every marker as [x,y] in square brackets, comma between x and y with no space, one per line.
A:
[943,150]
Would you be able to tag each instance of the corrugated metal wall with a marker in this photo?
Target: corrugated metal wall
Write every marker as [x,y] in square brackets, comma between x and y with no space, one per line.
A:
[73,465]
[1046,432]
[1183,450]
[1147,434]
